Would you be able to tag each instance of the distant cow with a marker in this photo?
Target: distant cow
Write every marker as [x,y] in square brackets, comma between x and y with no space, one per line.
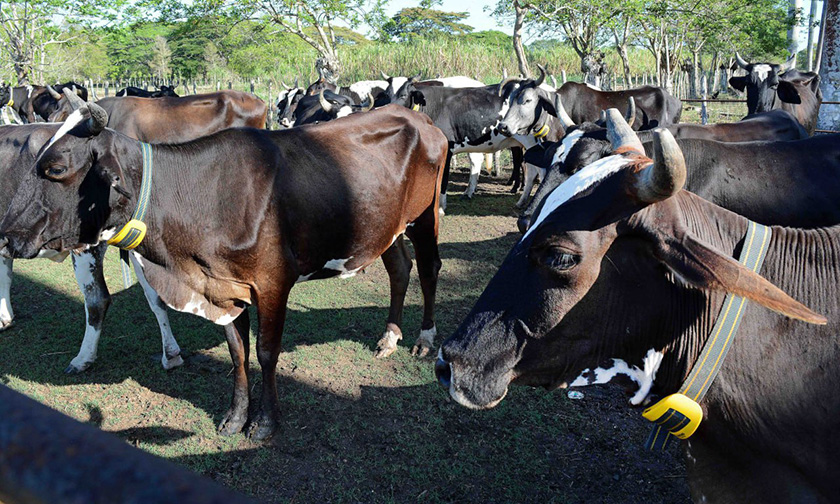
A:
[255,213]
[624,274]
[43,101]
[770,86]
[326,106]
[142,93]
[654,105]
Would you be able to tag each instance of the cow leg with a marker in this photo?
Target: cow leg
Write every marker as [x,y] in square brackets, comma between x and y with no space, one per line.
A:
[488,163]
[398,264]
[237,334]
[7,316]
[531,173]
[517,155]
[88,269]
[475,171]
[171,357]
[424,235]
[271,309]
[444,183]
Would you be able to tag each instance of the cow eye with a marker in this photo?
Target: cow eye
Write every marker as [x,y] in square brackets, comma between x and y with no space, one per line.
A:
[561,260]
[56,170]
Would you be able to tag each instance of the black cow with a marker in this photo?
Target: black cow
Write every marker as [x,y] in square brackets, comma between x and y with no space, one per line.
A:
[770,86]
[272,208]
[287,102]
[654,105]
[43,101]
[142,93]
[326,106]
[712,153]
[624,270]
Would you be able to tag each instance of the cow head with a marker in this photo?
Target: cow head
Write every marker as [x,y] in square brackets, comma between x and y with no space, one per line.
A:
[66,200]
[530,107]
[763,84]
[596,281]
[405,94]
[165,91]
[287,102]
[5,94]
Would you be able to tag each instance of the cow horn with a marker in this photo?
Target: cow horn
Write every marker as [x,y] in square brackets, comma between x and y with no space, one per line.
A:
[370,102]
[326,105]
[553,81]
[75,101]
[283,83]
[297,82]
[98,118]
[561,112]
[789,64]
[504,73]
[504,83]
[55,94]
[666,176]
[539,81]
[77,91]
[741,63]
[620,134]
[384,75]
[631,111]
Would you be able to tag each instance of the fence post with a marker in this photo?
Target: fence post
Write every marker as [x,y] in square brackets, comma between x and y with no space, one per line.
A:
[704,112]
[194,91]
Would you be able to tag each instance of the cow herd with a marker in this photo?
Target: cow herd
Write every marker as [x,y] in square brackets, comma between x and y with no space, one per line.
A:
[620,270]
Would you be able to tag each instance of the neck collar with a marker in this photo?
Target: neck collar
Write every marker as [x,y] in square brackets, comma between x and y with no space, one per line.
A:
[132,234]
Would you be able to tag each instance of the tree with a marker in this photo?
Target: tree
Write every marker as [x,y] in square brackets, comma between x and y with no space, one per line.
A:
[830,67]
[424,22]
[161,57]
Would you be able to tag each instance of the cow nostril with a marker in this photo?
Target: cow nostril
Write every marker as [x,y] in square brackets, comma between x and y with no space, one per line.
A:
[523,223]
[443,371]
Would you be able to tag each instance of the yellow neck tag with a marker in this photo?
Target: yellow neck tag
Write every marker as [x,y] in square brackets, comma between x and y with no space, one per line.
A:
[130,235]
[542,132]
[11,102]
[676,414]
[415,107]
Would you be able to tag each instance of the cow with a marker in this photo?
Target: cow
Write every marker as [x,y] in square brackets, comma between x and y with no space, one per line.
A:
[623,268]
[770,86]
[326,106]
[287,102]
[713,153]
[255,213]
[170,120]
[357,92]
[143,93]
[8,114]
[43,101]
[654,105]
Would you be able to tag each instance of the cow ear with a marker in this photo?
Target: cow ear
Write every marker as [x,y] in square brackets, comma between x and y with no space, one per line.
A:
[739,83]
[417,98]
[548,105]
[787,92]
[109,169]
[701,266]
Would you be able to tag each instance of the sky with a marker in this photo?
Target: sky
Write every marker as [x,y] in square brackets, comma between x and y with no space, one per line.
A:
[478,19]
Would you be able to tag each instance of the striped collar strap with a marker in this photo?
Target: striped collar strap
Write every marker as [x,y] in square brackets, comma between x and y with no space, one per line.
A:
[132,234]
[679,415]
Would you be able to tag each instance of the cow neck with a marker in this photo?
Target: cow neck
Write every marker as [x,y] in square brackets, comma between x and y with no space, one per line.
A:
[133,232]
[679,414]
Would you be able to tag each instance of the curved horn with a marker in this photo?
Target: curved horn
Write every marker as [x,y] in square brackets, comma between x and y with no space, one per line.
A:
[384,75]
[282,83]
[561,112]
[620,134]
[326,105]
[666,176]
[55,94]
[741,63]
[789,64]
[98,118]
[73,99]
[370,103]
[539,81]
[504,83]
[631,111]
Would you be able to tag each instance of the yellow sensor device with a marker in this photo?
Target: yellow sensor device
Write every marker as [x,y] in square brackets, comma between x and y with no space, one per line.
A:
[130,235]
[676,413]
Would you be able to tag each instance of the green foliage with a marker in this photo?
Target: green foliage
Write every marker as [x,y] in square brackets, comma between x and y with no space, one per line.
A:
[425,22]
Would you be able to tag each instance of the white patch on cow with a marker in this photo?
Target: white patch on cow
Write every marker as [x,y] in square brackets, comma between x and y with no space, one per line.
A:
[762,71]
[83,267]
[643,377]
[6,312]
[460,81]
[72,121]
[566,146]
[593,86]
[363,88]
[196,306]
[107,234]
[576,184]
[397,82]
[339,265]
[171,356]
[344,111]
[29,90]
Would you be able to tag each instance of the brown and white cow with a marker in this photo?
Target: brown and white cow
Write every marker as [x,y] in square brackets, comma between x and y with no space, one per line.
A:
[623,273]
[239,217]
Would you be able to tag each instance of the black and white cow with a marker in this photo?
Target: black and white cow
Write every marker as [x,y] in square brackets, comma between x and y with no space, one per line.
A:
[326,106]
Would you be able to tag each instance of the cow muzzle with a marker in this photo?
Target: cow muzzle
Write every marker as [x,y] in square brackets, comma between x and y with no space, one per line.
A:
[485,399]
[443,371]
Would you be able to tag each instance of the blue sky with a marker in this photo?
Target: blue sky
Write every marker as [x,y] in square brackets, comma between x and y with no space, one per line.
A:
[478,19]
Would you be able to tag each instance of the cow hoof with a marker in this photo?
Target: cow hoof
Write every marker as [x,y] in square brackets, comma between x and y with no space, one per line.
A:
[424,343]
[171,362]
[387,344]
[262,427]
[441,212]
[72,369]
[467,196]
[6,325]
[232,423]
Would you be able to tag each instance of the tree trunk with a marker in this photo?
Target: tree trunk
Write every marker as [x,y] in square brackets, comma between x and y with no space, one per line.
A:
[829,118]
[625,63]
[795,9]
[821,43]
[812,18]
[694,74]
[518,48]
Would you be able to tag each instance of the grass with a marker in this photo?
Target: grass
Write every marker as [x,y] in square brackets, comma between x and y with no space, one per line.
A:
[353,429]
